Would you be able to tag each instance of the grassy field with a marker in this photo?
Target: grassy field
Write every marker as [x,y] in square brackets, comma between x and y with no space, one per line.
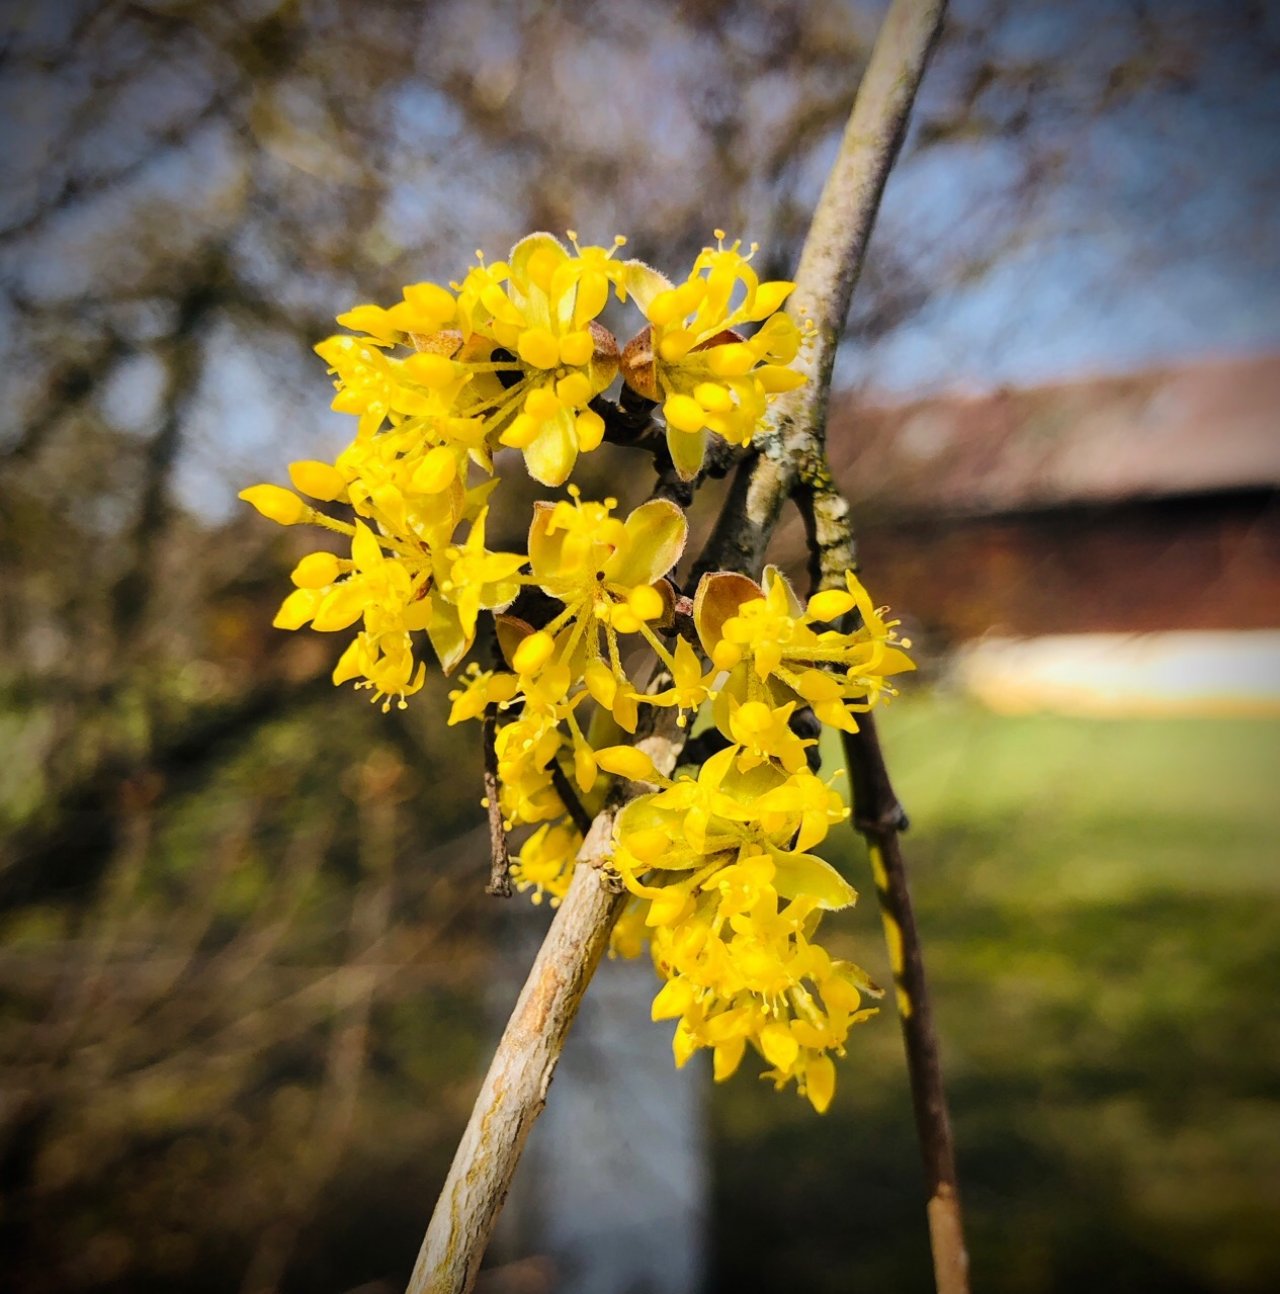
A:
[1100,904]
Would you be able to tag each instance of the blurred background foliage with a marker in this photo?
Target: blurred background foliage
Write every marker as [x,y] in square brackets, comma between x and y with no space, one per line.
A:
[244,951]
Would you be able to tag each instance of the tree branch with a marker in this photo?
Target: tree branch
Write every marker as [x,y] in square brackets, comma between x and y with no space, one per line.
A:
[791,462]
[791,450]
[515,1088]
[879,818]
[499,854]
[792,444]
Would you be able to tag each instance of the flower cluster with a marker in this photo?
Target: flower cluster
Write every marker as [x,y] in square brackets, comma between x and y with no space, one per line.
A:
[719,861]
[707,376]
[725,887]
[734,902]
[513,355]
[723,858]
[607,576]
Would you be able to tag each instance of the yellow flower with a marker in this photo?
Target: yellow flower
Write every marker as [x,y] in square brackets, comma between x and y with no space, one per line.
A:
[405,574]
[537,355]
[608,573]
[764,733]
[479,690]
[470,577]
[774,653]
[525,749]
[418,391]
[704,373]
[514,359]
[546,860]
[690,684]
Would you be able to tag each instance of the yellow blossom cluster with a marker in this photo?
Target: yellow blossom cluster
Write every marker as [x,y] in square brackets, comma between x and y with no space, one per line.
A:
[722,858]
[608,576]
[513,355]
[719,862]
[707,376]
[734,899]
[726,890]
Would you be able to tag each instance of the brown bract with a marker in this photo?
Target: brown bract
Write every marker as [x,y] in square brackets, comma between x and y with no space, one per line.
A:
[638,369]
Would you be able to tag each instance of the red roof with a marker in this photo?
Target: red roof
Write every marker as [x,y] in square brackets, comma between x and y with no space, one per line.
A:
[1207,426]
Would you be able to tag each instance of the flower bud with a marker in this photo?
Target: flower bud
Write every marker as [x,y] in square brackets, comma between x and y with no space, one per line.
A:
[319,480]
[646,602]
[628,762]
[316,570]
[830,604]
[436,471]
[684,413]
[276,503]
[534,652]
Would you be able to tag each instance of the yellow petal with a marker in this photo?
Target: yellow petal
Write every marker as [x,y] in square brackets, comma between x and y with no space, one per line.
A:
[771,295]
[728,1056]
[436,472]
[775,378]
[297,609]
[713,397]
[779,1047]
[731,360]
[533,653]
[538,347]
[687,452]
[830,604]
[576,348]
[673,1000]
[601,683]
[522,431]
[684,413]
[366,552]
[541,403]
[432,370]
[656,533]
[584,767]
[352,663]
[590,429]
[820,1082]
[646,602]
[342,606]
[550,457]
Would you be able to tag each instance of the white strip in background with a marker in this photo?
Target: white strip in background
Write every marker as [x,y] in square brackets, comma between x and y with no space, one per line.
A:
[1236,672]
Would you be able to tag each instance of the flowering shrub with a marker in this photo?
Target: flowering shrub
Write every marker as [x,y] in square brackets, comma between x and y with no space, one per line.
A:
[717,859]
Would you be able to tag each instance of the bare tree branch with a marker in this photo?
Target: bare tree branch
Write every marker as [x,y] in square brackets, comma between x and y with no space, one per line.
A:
[515,1089]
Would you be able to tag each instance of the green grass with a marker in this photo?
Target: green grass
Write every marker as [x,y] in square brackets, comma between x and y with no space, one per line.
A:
[1100,911]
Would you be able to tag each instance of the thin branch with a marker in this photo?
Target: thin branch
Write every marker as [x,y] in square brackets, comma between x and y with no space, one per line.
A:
[879,818]
[515,1089]
[499,854]
[569,797]
[793,442]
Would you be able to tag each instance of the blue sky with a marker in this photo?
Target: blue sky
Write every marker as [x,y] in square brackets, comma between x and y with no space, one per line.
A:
[1150,232]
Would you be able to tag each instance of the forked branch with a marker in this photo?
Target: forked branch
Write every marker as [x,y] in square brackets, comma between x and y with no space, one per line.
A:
[790,461]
